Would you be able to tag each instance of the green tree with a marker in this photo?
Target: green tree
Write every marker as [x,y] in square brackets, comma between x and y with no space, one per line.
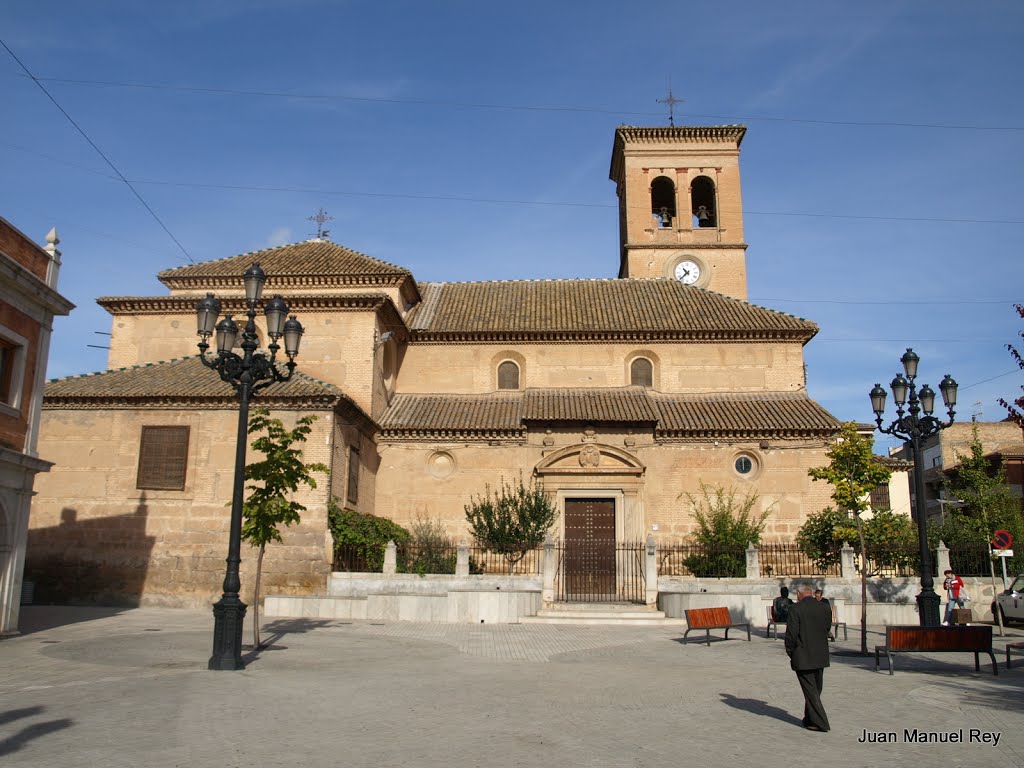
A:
[726,525]
[1016,408]
[274,479]
[853,472]
[512,521]
[431,549]
[365,536]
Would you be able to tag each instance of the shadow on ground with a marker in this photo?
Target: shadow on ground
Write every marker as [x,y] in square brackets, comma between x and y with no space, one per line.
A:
[39,618]
[16,741]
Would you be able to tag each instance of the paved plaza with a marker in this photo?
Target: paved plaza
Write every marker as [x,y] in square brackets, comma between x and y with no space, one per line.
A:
[102,687]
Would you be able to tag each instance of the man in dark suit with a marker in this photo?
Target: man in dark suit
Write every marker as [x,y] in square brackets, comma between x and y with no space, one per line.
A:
[807,645]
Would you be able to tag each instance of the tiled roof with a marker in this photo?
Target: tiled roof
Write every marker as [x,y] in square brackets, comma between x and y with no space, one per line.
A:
[629,404]
[594,309]
[775,414]
[496,414]
[185,382]
[313,262]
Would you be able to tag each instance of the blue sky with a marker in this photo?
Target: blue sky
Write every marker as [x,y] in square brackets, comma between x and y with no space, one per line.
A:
[469,141]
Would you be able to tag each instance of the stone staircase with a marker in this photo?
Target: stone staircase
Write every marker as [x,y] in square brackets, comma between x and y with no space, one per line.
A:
[602,614]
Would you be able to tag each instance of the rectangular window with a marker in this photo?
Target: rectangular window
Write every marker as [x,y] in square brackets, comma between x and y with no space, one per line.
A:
[7,354]
[352,493]
[12,367]
[163,457]
[880,498]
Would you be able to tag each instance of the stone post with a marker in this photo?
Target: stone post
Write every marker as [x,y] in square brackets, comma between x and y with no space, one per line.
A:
[942,558]
[753,562]
[847,568]
[547,595]
[651,571]
[462,559]
[390,558]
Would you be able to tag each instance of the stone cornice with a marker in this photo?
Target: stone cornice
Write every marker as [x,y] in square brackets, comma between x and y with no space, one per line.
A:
[597,337]
[687,246]
[417,434]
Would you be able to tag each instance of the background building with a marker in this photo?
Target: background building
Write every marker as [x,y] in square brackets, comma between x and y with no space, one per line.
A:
[28,303]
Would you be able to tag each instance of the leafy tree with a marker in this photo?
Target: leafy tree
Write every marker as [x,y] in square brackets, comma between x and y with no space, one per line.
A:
[1016,408]
[512,521]
[726,525]
[365,535]
[853,472]
[274,479]
[822,535]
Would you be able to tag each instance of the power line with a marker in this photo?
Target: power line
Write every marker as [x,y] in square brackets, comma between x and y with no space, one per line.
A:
[526,107]
[943,302]
[98,150]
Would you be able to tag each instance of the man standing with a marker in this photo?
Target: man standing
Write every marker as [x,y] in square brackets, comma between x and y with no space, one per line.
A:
[807,645]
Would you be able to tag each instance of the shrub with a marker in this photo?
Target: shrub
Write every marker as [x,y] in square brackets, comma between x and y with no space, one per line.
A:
[368,535]
[725,526]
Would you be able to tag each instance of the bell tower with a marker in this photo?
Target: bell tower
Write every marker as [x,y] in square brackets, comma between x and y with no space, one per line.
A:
[680,209]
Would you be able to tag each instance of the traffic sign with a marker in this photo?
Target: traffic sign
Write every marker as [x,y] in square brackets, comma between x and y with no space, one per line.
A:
[1002,539]
[1002,552]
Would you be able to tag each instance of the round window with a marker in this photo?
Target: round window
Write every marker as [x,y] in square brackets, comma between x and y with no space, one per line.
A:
[744,465]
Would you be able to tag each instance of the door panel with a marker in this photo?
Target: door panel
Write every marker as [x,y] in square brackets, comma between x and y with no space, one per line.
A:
[590,549]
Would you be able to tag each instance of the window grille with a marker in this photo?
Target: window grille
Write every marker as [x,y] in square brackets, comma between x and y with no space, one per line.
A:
[163,458]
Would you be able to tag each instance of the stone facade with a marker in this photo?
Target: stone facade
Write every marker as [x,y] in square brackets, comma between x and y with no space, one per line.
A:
[637,390]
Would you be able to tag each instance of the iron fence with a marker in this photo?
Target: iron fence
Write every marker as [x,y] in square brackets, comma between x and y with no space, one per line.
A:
[599,571]
[483,560]
[358,559]
[787,559]
[702,560]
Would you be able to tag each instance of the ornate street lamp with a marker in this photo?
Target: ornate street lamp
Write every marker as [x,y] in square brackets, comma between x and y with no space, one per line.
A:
[914,424]
[248,373]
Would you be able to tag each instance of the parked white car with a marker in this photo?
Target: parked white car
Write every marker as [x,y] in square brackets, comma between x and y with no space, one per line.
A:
[1011,602]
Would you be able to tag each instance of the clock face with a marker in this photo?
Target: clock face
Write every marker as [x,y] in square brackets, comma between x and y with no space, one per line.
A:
[687,272]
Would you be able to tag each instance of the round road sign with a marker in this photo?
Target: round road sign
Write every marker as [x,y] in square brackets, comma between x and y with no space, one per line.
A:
[1002,539]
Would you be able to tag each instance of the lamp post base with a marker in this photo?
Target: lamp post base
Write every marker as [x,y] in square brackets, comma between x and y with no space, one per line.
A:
[228,617]
[928,608]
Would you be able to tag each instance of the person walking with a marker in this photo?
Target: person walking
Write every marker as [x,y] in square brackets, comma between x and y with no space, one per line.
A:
[807,646]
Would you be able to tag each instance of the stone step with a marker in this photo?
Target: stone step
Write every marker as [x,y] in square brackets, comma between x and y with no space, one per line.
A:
[607,620]
[603,614]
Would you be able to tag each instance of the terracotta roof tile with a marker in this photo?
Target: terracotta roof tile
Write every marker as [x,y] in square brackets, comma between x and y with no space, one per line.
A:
[174,382]
[650,308]
[775,414]
[769,414]
[433,414]
[320,258]
[628,404]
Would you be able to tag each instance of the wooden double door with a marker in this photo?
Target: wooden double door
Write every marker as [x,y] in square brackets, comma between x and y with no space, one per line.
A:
[589,571]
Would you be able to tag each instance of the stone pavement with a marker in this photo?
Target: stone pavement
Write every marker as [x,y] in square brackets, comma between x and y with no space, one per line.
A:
[99,687]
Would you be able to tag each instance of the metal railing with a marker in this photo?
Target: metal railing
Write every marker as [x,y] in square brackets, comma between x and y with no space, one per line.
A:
[598,571]
[688,559]
[787,559]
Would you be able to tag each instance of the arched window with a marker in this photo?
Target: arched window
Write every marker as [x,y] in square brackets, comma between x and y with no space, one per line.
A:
[508,375]
[663,201]
[641,373]
[702,197]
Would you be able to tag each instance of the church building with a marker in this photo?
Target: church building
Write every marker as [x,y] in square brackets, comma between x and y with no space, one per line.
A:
[620,396]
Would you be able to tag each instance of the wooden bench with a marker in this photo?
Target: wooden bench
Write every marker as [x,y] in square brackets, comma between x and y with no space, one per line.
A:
[711,618]
[1015,646]
[976,639]
[772,622]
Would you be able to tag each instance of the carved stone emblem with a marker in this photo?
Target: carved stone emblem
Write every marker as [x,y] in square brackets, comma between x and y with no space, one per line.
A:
[590,456]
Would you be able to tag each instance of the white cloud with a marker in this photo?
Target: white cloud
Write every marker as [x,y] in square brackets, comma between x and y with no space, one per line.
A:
[279,236]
